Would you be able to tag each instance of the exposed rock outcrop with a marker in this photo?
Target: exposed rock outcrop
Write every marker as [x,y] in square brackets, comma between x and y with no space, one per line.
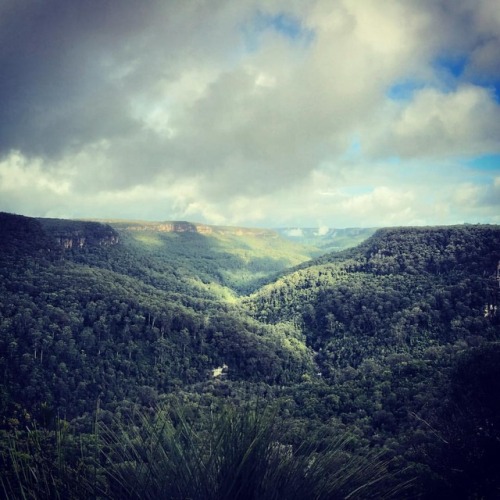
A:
[193,227]
[69,234]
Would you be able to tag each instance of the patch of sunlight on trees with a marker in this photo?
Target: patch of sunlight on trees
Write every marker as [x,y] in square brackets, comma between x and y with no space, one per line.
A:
[149,239]
[223,292]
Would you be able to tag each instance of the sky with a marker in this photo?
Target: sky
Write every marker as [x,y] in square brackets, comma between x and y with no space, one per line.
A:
[296,113]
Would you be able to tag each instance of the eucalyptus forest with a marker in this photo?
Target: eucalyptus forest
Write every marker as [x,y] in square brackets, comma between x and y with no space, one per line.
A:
[183,361]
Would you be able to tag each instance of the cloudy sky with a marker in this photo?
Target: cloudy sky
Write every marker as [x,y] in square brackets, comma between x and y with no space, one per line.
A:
[260,113]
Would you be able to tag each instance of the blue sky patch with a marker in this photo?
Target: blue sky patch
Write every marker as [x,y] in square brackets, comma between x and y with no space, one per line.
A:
[453,65]
[282,23]
[495,88]
[486,162]
[356,190]
[353,153]
[354,150]
[403,90]
[393,160]
[492,85]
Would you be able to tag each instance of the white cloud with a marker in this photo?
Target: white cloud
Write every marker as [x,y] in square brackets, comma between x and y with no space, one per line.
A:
[438,124]
[485,60]
[322,231]
[391,205]
[17,174]
[467,194]
[295,233]
[199,110]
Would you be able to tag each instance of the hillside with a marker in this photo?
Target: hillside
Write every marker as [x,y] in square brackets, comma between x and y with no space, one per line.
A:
[384,354]
[98,319]
[395,324]
[239,259]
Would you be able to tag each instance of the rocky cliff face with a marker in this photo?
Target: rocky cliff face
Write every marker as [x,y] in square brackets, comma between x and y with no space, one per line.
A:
[70,235]
[190,227]
[182,227]
[20,235]
[80,240]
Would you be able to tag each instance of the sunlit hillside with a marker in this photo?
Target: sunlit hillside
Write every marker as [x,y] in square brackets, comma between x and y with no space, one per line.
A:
[229,259]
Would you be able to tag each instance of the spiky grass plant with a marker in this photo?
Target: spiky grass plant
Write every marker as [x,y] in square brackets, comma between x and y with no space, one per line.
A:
[236,455]
[46,464]
[233,453]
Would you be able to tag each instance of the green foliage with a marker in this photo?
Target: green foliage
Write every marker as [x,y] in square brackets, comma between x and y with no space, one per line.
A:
[467,454]
[229,453]
[236,258]
[112,323]
[42,464]
[237,454]
[392,343]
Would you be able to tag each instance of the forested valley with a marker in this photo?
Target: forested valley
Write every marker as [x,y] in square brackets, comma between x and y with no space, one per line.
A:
[175,360]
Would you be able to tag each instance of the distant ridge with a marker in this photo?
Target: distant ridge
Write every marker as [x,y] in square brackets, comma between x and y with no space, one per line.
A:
[326,239]
[189,227]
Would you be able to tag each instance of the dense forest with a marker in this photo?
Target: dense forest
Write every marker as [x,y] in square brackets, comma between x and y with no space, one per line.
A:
[174,360]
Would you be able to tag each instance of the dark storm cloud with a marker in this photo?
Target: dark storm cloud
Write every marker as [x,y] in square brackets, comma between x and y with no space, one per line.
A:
[54,90]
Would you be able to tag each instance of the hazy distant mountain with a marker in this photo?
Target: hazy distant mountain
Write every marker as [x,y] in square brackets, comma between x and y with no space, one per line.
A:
[326,239]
